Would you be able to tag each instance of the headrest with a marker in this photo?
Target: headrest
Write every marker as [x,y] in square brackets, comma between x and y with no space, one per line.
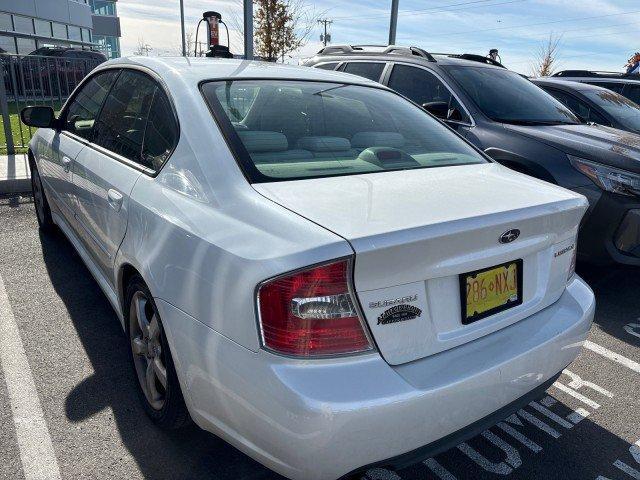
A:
[257,141]
[377,139]
[324,144]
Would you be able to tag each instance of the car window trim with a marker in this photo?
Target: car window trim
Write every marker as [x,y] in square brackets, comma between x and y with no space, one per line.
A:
[159,83]
[439,77]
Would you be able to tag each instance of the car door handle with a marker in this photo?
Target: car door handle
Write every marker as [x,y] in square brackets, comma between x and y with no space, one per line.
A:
[66,164]
[115,199]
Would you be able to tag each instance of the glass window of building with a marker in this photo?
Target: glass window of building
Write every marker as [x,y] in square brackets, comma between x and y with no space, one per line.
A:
[23,24]
[74,33]
[43,28]
[7,44]
[86,34]
[104,7]
[5,22]
[25,45]
[108,45]
[59,30]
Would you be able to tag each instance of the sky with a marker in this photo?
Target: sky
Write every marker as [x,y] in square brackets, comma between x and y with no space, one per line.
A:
[594,34]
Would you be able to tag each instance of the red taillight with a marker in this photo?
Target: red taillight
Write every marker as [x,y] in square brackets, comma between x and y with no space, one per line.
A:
[312,313]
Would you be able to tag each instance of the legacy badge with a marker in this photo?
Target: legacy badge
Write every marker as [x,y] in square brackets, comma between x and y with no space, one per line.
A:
[399,313]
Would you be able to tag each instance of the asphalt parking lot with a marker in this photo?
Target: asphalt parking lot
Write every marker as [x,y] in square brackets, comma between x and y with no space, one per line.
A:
[68,406]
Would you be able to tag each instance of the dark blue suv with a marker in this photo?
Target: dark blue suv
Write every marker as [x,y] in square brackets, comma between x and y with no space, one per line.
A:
[521,126]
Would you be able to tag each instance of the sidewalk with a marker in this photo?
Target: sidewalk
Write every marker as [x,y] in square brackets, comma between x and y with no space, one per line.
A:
[14,174]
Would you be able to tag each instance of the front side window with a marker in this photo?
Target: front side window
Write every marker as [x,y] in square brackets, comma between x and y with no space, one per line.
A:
[619,107]
[284,130]
[577,106]
[504,96]
[80,117]
[424,88]
[632,92]
[370,70]
[121,125]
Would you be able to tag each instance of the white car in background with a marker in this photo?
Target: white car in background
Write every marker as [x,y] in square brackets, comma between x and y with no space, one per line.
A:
[307,264]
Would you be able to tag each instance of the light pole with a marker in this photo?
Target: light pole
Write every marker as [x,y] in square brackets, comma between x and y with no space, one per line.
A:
[393,24]
[248,29]
[184,36]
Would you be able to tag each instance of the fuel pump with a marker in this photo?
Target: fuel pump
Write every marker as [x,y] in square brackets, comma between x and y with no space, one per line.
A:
[214,49]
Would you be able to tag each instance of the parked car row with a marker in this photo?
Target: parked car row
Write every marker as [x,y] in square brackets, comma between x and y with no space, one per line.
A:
[312,267]
[527,130]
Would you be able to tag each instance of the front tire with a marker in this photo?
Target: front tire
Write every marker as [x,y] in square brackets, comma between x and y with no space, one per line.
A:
[159,389]
[43,211]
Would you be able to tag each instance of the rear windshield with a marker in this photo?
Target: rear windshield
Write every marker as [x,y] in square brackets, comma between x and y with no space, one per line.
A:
[285,130]
[505,96]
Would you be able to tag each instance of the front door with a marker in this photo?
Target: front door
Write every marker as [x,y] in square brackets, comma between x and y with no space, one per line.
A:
[66,144]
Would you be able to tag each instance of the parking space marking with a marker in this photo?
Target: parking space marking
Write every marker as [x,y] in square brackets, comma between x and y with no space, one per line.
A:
[36,449]
[634,450]
[616,357]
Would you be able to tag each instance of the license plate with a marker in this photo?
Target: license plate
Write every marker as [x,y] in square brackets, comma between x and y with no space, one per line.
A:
[491,290]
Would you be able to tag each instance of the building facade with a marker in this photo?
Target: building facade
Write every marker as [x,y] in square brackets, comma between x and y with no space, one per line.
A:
[26,25]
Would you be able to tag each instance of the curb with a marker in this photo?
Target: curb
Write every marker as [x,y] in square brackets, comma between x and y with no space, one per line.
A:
[15,186]
[15,177]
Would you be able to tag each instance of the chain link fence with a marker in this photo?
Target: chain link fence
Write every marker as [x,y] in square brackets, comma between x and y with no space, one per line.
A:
[31,80]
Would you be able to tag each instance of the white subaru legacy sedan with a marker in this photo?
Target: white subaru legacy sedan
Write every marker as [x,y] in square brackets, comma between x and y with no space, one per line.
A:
[307,264]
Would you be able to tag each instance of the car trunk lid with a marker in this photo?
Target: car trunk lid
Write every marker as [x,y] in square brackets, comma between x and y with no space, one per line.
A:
[415,232]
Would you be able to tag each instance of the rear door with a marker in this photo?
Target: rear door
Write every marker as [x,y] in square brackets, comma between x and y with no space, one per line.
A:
[77,121]
[130,139]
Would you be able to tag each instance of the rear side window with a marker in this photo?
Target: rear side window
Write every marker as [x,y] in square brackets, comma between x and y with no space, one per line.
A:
[85,106]
[423,88]
[327,66]
[285,130]
[372,70]
[121,125]
[161,133]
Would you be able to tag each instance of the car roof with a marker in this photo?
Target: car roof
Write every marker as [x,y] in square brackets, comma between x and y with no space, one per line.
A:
[441,59]
[568,84]
[196,70]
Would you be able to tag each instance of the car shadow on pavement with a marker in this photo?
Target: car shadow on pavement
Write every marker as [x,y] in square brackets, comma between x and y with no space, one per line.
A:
[617,300]
[190,453]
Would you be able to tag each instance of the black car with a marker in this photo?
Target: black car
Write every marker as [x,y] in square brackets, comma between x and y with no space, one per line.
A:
[523,127]
[626,84]
[594,104]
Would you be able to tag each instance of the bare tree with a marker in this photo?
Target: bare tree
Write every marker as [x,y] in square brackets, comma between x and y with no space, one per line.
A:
[143,48]
[545,63]
[280,26]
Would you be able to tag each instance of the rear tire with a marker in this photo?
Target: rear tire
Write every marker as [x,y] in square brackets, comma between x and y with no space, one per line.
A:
[43,211]
[158,386]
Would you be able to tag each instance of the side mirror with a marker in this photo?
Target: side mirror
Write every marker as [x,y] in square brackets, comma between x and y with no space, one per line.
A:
[437,109]
[38,117]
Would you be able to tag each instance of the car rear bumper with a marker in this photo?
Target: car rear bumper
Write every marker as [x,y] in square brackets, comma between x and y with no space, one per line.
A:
[322,419]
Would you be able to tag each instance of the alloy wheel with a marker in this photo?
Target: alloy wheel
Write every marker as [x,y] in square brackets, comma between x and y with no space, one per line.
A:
[38,196]
[145,331]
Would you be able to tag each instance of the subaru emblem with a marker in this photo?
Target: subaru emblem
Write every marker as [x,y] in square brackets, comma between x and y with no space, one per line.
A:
[510,235]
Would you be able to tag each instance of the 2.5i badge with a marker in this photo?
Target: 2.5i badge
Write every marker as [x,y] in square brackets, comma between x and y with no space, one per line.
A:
[399,313]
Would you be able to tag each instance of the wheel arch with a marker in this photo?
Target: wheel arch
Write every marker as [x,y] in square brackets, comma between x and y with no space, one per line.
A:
[520,164]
